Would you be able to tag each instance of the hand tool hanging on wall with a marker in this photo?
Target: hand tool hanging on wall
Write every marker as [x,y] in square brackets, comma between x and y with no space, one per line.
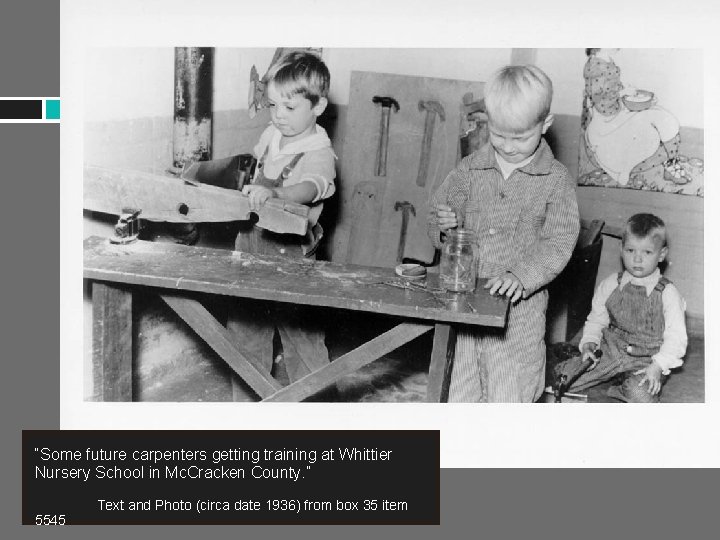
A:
[473,125]
[433,109]
[386,103]
[407,209]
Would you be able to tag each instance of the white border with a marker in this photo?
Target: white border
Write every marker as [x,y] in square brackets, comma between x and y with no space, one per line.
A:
[472,435]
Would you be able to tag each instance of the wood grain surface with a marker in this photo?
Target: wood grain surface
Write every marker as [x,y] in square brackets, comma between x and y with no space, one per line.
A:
[298,281]
[174,200]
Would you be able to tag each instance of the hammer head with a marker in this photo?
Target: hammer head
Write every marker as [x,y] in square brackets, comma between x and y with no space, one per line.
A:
[432,106]
[405,206]
[386,101]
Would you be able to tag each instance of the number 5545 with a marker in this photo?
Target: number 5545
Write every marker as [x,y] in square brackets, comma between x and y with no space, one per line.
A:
[50,519]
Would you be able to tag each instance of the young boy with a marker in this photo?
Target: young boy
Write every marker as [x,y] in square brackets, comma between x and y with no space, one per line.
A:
[296,162]
[637,320]
[521,204]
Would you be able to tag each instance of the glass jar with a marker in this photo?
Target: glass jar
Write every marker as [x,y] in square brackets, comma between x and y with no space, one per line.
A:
[458,267]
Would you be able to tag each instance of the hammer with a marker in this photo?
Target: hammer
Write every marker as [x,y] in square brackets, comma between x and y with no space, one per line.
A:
[564,382]
[406,208]
[433,108]
[386,103]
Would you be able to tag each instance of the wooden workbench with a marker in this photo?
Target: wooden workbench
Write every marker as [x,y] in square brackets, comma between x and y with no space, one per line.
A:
[177,273]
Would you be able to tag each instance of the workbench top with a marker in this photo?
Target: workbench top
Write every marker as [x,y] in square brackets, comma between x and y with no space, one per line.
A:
[298,281]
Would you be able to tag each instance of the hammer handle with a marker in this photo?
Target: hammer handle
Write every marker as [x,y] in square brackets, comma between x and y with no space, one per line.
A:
[425,149]
[381,166]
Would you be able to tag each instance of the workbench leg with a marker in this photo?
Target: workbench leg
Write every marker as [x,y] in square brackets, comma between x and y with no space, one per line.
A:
[112,343]
[350,362]
[441,363]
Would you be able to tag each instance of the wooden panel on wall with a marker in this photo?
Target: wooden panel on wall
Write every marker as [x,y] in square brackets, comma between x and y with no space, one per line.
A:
[369,226]
[684,217]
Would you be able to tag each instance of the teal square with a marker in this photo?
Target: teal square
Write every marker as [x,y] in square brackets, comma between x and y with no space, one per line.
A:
[52,109]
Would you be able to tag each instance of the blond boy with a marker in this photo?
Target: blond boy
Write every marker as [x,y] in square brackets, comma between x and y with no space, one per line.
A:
[637,320]
[521,203]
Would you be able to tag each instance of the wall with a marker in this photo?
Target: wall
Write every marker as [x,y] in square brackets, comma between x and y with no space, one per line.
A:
[463,64]
[129,105]
[676,77]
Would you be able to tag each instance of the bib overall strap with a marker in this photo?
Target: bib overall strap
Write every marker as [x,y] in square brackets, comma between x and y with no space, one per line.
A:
[288,169]
[662,282]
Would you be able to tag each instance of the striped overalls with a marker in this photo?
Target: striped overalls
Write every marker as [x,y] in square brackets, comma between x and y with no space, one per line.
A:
[634,334]
[527,224]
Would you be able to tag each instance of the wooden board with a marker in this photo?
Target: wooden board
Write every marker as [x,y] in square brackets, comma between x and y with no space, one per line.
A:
[165,198]
[347,363]
[112,342]
[369,232]
[298,281]
[220,340]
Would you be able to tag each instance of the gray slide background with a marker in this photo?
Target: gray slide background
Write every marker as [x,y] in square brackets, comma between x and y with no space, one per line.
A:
[478,503]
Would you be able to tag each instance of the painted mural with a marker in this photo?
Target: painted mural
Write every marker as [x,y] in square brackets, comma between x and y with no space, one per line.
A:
[628,140]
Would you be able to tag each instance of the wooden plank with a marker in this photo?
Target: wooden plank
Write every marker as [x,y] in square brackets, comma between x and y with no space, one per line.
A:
[441,363]
[220,340]
[355,359]
[297,281]
[112,343]
[369,232]
[165,198]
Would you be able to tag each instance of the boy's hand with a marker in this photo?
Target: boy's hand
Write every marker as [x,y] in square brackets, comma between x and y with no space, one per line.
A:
[257,195]
[506,284]
[653,375]
[588,352]
[446,218]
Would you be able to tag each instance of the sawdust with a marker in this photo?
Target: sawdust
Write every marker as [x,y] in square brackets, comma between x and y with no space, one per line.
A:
[246,259]
[343,275]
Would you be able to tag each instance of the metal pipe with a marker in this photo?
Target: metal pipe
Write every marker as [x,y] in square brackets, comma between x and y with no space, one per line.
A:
[192,111]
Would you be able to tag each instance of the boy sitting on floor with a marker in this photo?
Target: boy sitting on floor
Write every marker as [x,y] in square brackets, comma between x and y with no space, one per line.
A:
[637,320]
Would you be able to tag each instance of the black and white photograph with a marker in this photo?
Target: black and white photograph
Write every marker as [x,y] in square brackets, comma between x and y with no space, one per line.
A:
[350,218]
[333,224]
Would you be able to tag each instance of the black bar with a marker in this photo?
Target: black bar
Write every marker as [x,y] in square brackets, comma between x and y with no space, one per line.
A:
[102,477]
[21,109]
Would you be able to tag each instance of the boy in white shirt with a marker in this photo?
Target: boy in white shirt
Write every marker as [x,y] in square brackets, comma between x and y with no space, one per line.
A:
[637,320]
[296,162]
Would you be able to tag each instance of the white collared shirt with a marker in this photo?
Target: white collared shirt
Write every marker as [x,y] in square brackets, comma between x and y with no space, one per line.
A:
[507,168]
[674,343]
[317,167]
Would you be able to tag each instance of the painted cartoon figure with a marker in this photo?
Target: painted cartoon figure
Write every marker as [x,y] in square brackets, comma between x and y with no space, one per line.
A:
[626,133]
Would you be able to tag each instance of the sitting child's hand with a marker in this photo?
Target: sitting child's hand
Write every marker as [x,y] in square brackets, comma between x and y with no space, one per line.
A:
[653,375]
[588,352]
[506,284]
[446,218]
[257,195]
